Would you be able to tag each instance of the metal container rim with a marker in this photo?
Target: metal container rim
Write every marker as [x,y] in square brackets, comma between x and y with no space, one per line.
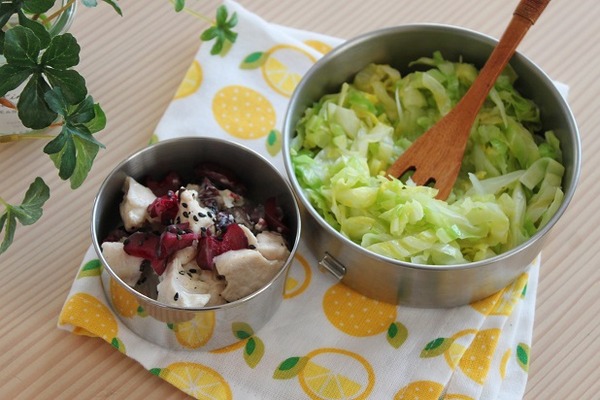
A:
[153,302]
[446,28]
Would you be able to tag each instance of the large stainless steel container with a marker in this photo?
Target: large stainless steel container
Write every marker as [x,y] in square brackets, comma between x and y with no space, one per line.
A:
[205,328]
[401,282]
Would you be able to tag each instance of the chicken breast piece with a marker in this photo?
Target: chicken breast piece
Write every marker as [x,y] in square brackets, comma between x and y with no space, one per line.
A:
[181,288]
[272,246]
[245,271]
[127,267]
[134,206]
[190,210]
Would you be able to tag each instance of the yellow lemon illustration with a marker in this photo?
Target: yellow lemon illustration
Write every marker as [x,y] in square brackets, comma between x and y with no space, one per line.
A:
[454,354]
[355,314]
[124,302]
[243,112]
[318,46]
[456,397]
[89,317]
[476,361]
[504,301]
[285,66]
[504,363]
[197,380]
[336,374]
[420,390]
[232,347]
[460,341]
[298,277]
[196,332]
[191,81]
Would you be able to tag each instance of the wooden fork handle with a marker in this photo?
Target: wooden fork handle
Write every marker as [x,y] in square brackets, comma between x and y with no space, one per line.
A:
[524,16]
[531,9]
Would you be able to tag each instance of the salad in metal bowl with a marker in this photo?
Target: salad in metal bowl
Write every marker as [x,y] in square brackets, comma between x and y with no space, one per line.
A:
[196,244]
[508,188]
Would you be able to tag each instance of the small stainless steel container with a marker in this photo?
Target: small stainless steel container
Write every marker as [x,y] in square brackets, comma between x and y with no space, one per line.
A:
[205,328]
[400,282]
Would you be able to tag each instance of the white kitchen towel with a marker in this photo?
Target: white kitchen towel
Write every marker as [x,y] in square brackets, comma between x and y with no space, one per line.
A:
[326,341]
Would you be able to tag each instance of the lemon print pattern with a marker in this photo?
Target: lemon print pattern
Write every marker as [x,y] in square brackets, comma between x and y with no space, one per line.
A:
[284,66]
[456,397]
[298,277]
[504,301]
[197,380]
[356,314]
[319,46]
[89,317]
[460,341]
[196,332]
[124,302]
[420,390]
[243,112]
[191,81]
[504,363]
[330,373]
[476,361]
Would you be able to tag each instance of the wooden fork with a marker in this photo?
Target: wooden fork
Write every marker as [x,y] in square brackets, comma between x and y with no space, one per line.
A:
[436,156]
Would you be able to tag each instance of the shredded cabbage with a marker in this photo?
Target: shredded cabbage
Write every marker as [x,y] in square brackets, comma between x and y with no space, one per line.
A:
[508,188]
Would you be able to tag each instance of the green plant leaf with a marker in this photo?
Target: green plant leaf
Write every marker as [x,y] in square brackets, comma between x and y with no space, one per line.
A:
[57,102]
[38,29]
[56,144]
[37,6]
[62,52]
[397,334]
[86,153]
[66,159]
[84,112]
[436,347]
[112,3]
[74,149]
[32,108]
[11,76]
[222,31]
[254,351]
[70,82]
[98,122]
[21,47]
[179,5]
[290,367]
[28,212]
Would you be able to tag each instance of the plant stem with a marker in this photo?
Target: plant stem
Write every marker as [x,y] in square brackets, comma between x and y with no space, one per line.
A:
[7,103]
[196,14]
[60,10]
[15,137]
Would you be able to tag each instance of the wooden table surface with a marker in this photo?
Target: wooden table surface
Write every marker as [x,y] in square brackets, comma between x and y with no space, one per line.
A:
[133,65]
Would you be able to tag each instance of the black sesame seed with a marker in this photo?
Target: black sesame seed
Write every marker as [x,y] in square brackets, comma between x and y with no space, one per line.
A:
[186,214]
[181,273]
[193,270]
[190,275]
[176,297]
[201,215]
[209,214]
[251,246]
[184,205]
[203,229]
[196,218]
